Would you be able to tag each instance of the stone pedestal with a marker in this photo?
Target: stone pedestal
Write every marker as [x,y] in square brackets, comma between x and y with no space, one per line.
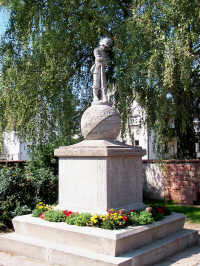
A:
[95,175]
[68,245]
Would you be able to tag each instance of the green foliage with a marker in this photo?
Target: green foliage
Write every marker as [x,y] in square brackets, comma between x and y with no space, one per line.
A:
[165,43]
[71,219]
[21,210]
[82,219]
[40,209]
[113,220]
[54,216]
[46,56]
[21,189]
[15,192]
[192,213]
[44,182]
[37,212]
[141,218]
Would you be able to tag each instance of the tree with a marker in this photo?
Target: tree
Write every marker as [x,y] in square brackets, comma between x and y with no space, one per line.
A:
[46,56]
[165,36]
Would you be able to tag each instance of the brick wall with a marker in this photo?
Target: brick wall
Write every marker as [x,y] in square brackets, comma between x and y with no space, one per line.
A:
[180,179]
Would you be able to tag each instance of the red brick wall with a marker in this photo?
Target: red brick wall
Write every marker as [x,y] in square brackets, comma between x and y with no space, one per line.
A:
[181,180]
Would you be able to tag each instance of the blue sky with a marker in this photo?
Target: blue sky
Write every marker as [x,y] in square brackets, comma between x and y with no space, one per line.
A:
[4,16]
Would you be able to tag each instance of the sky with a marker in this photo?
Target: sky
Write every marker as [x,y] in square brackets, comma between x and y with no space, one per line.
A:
[4,16]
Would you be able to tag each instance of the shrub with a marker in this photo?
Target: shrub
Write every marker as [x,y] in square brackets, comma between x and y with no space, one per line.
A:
[22,188]
[16,194]
[44,182]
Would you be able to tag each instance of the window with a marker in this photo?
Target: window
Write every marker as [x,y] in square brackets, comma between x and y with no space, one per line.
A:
[136,142]
[135,120]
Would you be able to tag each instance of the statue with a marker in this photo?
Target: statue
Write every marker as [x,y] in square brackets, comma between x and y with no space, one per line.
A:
[102,60]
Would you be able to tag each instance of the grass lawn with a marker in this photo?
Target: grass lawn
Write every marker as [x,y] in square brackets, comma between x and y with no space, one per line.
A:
[192,213]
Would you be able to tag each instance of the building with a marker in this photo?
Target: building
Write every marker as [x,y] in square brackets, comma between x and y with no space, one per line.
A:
[13,147]
[139,135]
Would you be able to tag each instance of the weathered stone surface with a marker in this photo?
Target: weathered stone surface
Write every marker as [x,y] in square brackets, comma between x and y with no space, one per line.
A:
[55,252]
[108,242]
[99,174]
[100,121]
[102,60]
[96,148]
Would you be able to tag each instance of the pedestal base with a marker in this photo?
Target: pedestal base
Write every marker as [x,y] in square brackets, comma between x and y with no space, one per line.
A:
[96,175]
[67,245]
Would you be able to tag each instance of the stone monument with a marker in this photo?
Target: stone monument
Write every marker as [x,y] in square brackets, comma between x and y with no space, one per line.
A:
[96,174]
[100,172]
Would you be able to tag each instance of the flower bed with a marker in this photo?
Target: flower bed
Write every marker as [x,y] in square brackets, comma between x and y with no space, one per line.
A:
[112,220]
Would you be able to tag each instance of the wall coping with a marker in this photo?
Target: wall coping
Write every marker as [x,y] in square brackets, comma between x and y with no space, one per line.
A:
[174,161]
[11,161]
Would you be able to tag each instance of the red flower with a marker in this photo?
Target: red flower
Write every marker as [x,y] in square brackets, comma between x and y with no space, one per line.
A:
[121,211]
[131,210]
[160,210]
[69,213]
[42,216]
[124,218]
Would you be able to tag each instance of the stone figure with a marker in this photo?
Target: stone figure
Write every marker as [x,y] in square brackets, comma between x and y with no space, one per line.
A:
[102,60]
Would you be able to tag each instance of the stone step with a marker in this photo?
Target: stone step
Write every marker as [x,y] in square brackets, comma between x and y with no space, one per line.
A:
[7,259]
[67,256]
[97,240]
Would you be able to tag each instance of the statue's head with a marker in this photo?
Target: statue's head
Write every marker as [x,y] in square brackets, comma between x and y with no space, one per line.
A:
[106,42]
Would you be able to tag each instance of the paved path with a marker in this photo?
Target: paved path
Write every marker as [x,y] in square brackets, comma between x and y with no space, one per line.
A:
[189,257]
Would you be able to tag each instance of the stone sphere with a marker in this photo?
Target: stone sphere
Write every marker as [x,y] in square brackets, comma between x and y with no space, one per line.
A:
[100,121]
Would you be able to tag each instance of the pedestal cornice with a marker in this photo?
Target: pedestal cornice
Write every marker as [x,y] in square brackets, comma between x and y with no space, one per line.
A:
[96,148]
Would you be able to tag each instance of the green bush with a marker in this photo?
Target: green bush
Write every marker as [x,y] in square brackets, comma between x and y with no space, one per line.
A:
[22,188]
[44,182]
